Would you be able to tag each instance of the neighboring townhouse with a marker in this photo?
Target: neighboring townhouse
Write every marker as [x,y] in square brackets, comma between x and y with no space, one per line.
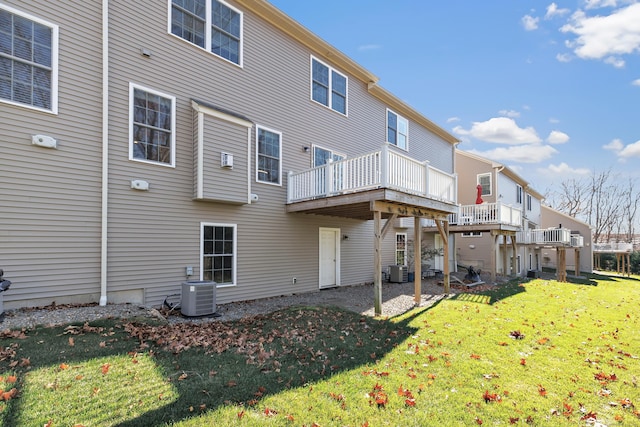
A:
[496,204]
[224,142]
[579,259]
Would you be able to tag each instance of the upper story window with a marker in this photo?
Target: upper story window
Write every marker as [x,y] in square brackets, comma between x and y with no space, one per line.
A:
[519,194]
[529,201]
[210,24]
[397,130]
[28,60]
[328,87]
[152,126]
[485,181]
[322,156]
[269,156]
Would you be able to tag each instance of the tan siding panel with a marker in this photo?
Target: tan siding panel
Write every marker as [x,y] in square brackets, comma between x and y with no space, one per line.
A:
[50,210]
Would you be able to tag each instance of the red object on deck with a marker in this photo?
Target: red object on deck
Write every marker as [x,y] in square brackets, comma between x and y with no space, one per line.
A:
[479,197]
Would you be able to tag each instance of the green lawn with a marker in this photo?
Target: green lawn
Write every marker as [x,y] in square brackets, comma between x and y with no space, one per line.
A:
[537,353]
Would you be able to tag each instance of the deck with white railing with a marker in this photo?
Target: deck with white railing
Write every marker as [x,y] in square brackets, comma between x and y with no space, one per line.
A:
[412,182]
[617,247]
[487,214]
[546,236]
[384,168]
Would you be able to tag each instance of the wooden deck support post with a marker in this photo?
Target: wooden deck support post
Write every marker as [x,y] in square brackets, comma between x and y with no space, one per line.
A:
[417,260]
[505,269]
[576,258]
[494,259]
[514,261]
[561,264]
[443,229]
[377,263]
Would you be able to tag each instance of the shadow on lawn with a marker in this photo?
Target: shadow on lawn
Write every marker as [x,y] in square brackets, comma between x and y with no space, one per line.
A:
[299,346]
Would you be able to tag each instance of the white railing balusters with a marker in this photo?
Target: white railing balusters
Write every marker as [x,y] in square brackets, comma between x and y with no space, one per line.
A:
[385,168]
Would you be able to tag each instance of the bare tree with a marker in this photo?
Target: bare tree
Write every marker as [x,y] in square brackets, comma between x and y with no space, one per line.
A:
[629,204]
[570,198]
[603,205]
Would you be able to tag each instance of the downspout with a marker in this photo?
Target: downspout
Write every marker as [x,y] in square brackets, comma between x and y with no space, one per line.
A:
[105,151]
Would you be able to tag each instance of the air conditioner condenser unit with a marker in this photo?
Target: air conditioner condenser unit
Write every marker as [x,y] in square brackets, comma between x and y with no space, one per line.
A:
[198,298]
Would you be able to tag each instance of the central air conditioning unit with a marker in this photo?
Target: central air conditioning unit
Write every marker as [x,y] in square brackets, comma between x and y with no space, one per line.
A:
[198,298]
[398,273]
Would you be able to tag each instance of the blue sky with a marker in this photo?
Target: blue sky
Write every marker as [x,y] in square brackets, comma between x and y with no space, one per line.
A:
[551,89]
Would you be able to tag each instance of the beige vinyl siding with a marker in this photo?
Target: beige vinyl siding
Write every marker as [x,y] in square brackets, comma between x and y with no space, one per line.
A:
[155,234]
[50,210]
[220,183]
[50,235]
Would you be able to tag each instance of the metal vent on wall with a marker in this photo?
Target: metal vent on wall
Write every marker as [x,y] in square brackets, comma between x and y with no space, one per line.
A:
[198,298]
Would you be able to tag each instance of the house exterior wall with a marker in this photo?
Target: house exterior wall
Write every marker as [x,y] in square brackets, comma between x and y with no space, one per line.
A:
[50,210]
[553,218]
[153,235]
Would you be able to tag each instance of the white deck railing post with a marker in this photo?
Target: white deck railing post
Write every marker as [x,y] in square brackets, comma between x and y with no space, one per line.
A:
[384,166]
[426,179]
[289,187]
[328,178]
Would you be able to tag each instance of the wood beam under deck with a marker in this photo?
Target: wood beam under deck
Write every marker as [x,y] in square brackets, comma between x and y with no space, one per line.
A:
[376,205]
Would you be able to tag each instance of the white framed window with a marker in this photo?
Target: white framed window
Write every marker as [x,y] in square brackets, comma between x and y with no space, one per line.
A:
[321,156]
[472,234]
[152,122]
[401,248]
[212,25]
[519,194]
[529,202]
[218,251]
[268,156]
[328,86]
[484,180]
[28,61]
[397,130]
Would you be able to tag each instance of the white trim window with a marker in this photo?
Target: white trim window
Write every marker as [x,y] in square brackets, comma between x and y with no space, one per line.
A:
[328,86]
[212,25]
[268,156]
[519,194]
[152,118]
[472,234]
[321,156]
[397,130]
[484,179]
[218,251]
[401,248]
[28,61]
[529,202]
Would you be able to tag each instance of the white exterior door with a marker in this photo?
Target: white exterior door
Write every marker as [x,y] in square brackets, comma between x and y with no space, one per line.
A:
[329,258]
[438,260]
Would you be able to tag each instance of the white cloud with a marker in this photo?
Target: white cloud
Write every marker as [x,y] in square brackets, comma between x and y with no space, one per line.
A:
[606,37]
[530,153]
[453,119]
[594,4]
[554,120]
[615,145]
[563,57]
[631,150]
[509,113]
[636,82]
[557,137]
[623,152]
[564,170]
[501,130]
[366,47]
[552,10]
[530,23]
[615,61]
